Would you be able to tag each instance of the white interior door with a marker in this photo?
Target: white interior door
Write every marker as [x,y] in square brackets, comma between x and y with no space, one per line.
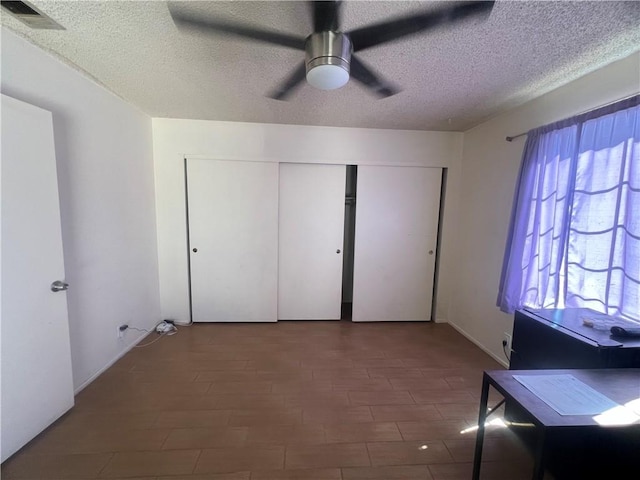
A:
[37,385]
[233,236]
[397,211]
[311,226]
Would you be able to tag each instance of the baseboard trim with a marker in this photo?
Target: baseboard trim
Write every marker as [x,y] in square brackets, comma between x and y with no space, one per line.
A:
[87,382]
[461,331]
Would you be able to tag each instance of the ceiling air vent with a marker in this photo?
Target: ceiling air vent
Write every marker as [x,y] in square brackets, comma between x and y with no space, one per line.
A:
[30,16]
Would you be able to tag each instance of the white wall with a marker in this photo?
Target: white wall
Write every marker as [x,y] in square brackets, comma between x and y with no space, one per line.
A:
[105,175]
[174,139]
[489,170]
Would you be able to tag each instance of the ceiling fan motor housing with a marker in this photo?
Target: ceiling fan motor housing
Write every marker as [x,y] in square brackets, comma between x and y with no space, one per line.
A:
[325,52]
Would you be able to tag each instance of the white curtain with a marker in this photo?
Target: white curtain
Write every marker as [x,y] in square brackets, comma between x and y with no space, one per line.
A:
[574,238]
[603,255]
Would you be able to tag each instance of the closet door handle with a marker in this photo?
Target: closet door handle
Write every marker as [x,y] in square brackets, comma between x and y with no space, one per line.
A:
[195,250]
[338,251]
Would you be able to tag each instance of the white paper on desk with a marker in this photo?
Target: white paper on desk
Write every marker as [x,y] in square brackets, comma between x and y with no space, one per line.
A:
[566,394]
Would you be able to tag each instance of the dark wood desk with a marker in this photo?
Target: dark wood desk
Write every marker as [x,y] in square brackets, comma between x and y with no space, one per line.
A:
[559,339]
[620,385]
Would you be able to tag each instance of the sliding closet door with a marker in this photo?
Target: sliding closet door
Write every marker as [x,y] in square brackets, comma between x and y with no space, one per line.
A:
[233,238]
[311,224]
[396,235]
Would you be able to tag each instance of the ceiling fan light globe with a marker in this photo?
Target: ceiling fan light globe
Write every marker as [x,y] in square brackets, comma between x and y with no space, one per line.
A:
[327,77]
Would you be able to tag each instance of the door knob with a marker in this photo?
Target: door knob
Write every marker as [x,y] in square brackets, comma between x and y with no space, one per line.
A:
[195,250]
[59,286]
[338,251]
[430,252]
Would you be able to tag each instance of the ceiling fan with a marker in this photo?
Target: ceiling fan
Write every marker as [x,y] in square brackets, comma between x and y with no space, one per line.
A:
[330,58]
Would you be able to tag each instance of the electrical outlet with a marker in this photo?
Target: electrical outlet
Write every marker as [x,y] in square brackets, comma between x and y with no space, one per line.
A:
[506,341]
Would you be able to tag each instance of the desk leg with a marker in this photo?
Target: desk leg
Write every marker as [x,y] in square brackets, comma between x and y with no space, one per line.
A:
[538,466]
[482,418]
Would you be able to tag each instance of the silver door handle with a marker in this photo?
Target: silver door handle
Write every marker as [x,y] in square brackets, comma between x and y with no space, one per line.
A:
[59,286]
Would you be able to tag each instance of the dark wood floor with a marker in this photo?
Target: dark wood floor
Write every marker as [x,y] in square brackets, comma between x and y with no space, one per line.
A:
[291,400]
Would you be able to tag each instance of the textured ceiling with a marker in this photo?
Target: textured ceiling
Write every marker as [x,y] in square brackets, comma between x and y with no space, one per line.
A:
[452,78]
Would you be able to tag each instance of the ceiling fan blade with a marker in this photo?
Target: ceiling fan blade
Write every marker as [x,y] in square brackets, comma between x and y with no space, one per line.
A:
[363,74]
[326,16]
[373,35]
[290,84]
[210,26]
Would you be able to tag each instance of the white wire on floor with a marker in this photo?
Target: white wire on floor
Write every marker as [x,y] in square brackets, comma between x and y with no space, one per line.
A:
[163,334]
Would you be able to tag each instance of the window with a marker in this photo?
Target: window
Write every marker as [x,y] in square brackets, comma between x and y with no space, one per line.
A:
[574,238]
